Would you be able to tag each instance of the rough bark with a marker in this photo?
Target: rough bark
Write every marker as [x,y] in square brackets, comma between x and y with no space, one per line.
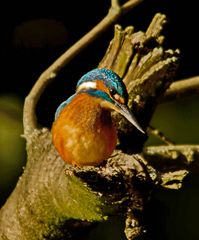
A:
[52,200]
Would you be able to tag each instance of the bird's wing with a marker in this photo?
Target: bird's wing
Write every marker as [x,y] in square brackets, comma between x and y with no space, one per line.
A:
[62,106]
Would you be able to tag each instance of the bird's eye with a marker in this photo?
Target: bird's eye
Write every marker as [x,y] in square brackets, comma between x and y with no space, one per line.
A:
[114,94]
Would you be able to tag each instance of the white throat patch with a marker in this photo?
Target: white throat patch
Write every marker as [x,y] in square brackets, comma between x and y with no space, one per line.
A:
[87,85]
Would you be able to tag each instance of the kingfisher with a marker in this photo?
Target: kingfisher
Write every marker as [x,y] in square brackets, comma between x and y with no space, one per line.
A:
[83,131]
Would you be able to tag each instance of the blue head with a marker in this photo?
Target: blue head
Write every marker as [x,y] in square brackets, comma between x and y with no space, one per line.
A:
[109,79]
[108,86]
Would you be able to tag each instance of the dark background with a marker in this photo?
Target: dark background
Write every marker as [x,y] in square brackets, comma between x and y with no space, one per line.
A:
[33,35]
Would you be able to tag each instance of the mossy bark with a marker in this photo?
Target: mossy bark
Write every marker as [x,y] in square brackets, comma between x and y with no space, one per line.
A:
[45,198]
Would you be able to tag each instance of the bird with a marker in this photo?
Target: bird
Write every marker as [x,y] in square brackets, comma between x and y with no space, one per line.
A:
[83,131]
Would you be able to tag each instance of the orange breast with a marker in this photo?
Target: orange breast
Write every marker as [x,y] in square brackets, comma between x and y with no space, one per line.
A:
[83,133]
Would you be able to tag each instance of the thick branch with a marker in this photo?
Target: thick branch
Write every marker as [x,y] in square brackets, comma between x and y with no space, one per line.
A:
[147,73]
[45,200]
[31,100]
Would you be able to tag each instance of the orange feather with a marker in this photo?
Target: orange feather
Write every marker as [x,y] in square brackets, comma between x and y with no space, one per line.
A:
[84,133]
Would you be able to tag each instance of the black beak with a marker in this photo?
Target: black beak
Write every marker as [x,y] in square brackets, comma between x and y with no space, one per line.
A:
[123,110]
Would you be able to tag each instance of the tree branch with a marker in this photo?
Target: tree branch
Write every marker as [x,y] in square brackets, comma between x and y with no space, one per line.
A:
[29,118]
[173,152]
[146,71]
[45,200]
[181,88]
[157,133]
[129,5]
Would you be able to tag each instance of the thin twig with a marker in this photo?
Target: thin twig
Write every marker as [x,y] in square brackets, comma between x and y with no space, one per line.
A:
[160,135]
[129,5]
[182,88]
[29,118]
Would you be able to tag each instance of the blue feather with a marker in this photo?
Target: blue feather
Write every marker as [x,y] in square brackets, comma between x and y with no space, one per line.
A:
[62,105]
[98,94]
